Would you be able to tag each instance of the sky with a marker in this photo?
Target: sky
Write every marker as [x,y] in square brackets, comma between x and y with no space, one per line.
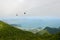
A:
[41,8]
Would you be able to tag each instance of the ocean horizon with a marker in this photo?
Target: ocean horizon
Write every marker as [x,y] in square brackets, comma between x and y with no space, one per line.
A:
[33,22]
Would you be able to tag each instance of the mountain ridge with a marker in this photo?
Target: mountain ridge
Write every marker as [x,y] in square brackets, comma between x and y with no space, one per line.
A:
[52,30]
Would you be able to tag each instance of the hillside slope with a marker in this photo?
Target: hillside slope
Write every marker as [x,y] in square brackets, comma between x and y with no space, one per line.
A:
[8,32]
[52,30]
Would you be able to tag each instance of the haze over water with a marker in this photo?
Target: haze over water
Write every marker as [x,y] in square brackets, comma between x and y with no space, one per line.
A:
[33,22]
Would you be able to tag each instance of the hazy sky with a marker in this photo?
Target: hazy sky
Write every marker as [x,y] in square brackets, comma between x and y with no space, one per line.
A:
[40,8]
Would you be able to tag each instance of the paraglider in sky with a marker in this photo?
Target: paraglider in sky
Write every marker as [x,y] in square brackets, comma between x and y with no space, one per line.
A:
[24,13]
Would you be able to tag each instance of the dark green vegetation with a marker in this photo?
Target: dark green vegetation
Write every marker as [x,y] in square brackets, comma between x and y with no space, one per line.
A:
[49,33]
[8,32]
[52,30]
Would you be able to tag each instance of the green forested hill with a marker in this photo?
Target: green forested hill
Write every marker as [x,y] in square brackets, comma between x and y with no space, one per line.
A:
[8,32]
[52,30]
